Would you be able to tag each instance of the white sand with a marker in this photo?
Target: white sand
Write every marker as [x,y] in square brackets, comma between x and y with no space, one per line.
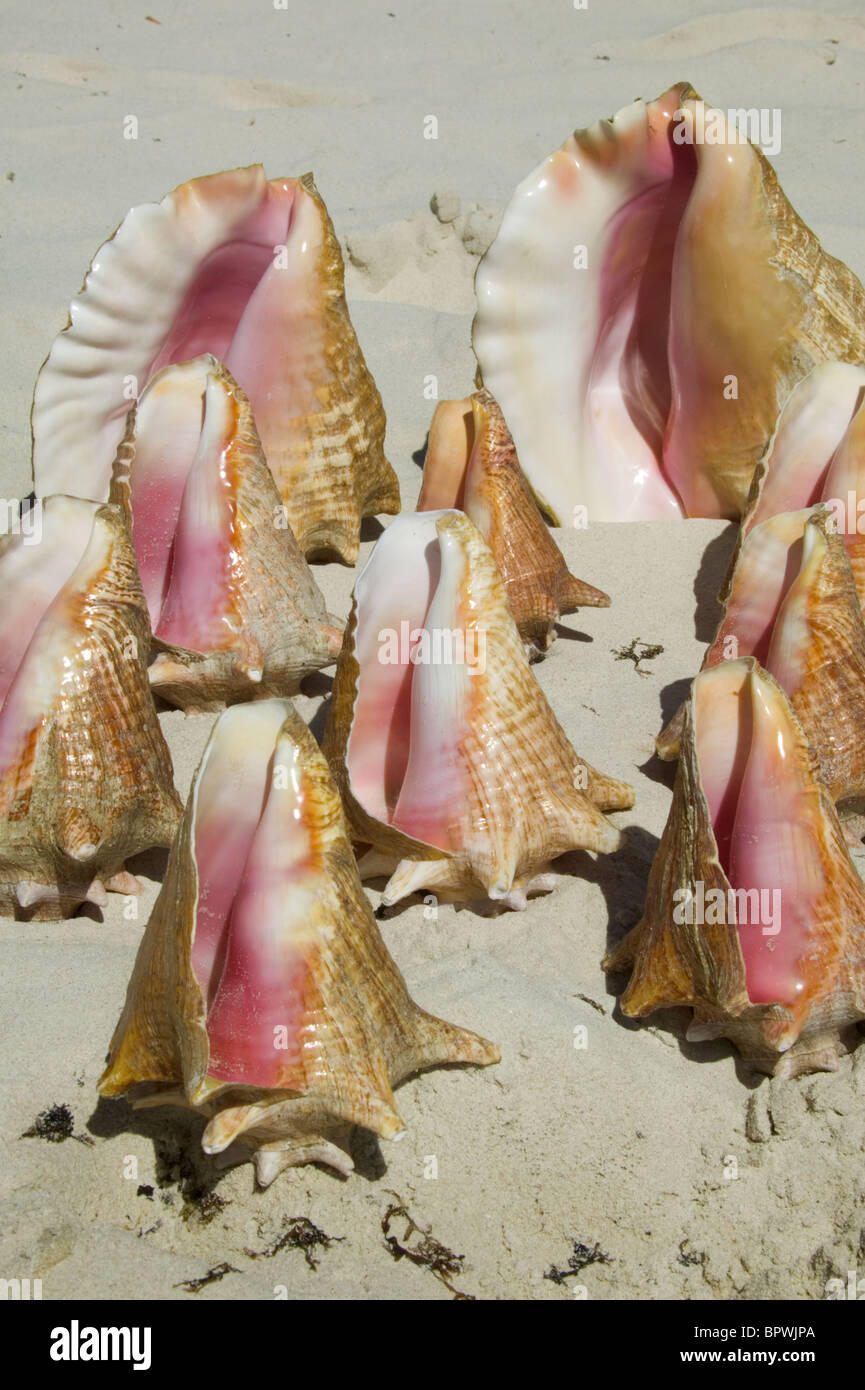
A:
[626,1143]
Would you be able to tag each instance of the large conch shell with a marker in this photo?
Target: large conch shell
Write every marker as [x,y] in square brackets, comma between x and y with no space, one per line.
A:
[85,774]
[817,454]
[753,847]
[235,611]
[451,764]
[649,302]
[250,271]
[792,605]
[263,994]
[471,463]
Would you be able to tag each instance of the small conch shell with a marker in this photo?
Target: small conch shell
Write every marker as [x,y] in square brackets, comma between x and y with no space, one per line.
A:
[451,764]
[235,611]
[472,464]
[755,914]
[817,454]
[263,995]
[85,774]
[792,605]
[250,271]
[649,302]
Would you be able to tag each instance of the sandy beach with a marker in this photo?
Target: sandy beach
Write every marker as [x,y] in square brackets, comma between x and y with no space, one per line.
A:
[684,1174]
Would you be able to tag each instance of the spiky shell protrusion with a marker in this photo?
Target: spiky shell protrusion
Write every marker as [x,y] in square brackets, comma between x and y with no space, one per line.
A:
[263,994]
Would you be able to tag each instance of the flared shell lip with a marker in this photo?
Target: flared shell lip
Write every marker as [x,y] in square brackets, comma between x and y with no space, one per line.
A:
[124,231]
[629,117]
[255,169]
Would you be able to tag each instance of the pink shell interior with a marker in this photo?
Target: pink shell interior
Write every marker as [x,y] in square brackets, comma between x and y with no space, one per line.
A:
[761,808]
[229,265]
[402,752]
[629,385]
[257,881]
[208,318]
[255,303]
[183,508]
[767,567]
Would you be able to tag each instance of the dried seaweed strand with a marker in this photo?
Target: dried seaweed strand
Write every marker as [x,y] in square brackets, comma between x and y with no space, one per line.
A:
[429,1253]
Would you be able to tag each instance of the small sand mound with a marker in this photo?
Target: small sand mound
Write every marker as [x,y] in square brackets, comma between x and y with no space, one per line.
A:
[428,259]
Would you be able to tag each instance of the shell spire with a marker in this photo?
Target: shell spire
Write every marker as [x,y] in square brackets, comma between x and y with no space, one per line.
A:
[451,764]
[235,611]
[472,464]
[85,774]
[263,995]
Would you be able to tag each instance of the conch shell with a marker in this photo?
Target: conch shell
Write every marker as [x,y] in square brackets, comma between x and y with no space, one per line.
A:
[817,454]
[235,611]
[755,914]
[471,463]
[250,271]
[792,605]
[263,995]
[85,774]
[451,764]
[649,302]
